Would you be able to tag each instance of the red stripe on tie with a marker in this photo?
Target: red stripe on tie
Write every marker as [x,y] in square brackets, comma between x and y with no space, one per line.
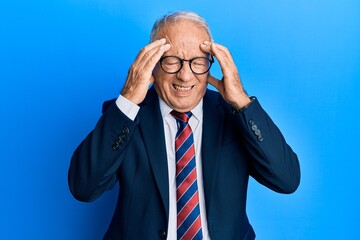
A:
[181,116]
[187,209]
[181,189]
[179,141]
[191,232]
[185,155]
[185,159]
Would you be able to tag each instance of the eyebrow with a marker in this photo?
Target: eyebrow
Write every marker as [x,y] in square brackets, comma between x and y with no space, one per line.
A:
[196,56]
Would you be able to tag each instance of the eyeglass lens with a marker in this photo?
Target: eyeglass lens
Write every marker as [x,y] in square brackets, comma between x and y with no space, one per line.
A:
[198,65]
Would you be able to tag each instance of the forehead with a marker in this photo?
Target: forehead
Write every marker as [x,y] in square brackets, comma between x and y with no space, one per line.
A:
[185,38]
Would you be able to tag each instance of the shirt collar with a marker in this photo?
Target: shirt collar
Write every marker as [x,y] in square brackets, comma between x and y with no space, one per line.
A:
[196,111]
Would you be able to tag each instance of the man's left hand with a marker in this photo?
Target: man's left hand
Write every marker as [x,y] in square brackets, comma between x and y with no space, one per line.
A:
[230,87]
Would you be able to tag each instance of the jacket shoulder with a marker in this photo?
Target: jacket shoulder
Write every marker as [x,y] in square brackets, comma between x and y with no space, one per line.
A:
[107,104]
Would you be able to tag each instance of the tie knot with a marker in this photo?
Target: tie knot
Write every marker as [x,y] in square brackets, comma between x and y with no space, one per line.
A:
[184,117]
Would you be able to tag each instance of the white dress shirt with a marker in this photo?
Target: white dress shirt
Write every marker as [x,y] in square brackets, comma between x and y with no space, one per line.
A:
[170,128]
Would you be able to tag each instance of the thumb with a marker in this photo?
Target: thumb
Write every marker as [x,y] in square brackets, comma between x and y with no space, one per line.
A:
[214,82]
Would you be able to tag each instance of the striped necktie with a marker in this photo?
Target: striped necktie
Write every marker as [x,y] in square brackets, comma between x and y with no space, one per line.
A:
[187,196]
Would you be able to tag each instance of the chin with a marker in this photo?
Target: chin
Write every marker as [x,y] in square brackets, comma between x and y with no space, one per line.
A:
[183,107]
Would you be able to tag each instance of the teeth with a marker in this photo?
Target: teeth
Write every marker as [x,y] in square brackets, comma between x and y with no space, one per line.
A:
[181,89]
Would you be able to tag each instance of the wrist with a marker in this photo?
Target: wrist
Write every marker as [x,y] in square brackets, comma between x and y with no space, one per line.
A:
[244,105]
[243,101]
[131,97]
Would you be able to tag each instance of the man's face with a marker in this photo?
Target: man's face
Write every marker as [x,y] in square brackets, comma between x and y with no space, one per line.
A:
[182,91]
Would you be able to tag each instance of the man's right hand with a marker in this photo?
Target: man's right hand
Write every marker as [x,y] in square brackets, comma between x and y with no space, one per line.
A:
[140,73]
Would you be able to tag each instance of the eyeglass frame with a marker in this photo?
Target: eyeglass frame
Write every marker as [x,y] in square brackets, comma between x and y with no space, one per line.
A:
[182,60]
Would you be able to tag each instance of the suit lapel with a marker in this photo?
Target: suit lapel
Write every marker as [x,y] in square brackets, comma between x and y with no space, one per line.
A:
[213,118]
[152,130]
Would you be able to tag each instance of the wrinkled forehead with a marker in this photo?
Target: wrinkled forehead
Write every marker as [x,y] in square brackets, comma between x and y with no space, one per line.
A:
[185,38]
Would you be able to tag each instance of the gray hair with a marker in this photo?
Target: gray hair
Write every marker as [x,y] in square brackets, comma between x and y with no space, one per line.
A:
[178,16]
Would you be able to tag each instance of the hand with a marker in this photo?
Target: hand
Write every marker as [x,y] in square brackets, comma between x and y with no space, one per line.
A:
[140,73]
[230,86]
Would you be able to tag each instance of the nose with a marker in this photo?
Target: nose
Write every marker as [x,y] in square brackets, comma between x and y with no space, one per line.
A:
[185,73]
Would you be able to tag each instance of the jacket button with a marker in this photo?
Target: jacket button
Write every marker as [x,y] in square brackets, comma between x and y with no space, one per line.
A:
[126,130]
[257,132]
[251,122]
[254,127]
[260,138]
[162,234]
[121,137]
[115,146]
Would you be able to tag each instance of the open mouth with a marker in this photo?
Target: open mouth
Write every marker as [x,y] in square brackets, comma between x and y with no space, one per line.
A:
[181,88]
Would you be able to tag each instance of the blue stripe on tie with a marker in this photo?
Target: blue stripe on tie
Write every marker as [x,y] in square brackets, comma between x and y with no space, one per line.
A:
[184,147]
[191,215]
[186,171]
[198,236]
[186,196]
[181,127]
[190,219]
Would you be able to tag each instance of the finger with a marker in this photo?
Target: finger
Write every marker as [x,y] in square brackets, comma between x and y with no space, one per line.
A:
[149,49]
[222,49]
[206,48]
[151,61]
[144,66]
[214,48]
[222,54]
[224,57]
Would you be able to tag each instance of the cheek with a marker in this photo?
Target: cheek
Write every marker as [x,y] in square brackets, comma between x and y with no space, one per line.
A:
[163,81]
[202,80]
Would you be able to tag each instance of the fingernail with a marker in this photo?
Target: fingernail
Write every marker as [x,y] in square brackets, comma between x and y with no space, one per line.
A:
[206,42]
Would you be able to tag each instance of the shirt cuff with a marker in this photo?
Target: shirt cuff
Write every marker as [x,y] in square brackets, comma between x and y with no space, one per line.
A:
[252,98]
[129,108]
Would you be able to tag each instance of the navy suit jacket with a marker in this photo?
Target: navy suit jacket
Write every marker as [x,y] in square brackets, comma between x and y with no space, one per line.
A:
[235,145]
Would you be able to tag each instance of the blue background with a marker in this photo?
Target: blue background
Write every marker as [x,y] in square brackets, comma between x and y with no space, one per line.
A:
[60,59]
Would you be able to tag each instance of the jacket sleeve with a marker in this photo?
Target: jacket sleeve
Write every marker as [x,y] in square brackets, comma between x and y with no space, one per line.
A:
[272,161]
[95,161]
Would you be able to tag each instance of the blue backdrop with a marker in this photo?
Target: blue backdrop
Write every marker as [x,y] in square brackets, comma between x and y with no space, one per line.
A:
[60,59]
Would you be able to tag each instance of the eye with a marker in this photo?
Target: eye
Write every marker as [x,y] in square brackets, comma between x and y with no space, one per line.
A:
[200,62]
[171,61]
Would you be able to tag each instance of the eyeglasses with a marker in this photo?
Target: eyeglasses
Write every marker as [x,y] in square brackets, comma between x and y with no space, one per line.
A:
[198,65]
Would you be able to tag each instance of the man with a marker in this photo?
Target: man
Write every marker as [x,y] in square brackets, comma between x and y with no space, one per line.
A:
[182,154]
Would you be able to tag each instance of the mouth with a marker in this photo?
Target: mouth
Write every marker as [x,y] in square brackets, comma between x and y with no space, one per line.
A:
[182,88]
